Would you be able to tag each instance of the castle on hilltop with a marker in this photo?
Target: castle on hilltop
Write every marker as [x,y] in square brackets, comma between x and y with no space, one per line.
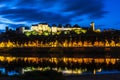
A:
[45,29]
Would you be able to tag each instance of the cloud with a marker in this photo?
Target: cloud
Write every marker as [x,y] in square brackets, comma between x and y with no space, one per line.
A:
[32,15]
[92,8]
[4,20]
[51,11]
[1,26]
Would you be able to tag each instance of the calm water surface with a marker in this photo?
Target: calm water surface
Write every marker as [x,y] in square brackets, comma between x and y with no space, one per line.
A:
[19,65]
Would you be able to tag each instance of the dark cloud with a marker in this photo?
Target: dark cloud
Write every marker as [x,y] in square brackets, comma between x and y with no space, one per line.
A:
[39,4]
[32,15]
[26,3]
[93,8]
[3,1]
[52,11]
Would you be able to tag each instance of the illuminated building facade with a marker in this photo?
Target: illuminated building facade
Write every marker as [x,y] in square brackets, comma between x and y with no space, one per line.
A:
[54,29]
[41,27]
[45,29]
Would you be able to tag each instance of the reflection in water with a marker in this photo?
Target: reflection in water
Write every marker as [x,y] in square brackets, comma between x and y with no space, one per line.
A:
[64,65]
[79,60]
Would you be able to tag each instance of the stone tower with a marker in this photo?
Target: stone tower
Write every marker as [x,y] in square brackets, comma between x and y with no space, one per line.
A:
[92,26]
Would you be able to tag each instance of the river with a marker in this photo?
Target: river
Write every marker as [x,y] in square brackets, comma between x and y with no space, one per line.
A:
[68,66]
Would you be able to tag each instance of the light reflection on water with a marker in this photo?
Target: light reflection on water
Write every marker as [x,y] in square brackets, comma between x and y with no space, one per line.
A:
[2,70]
[53,59]
[10,73]
[65,71]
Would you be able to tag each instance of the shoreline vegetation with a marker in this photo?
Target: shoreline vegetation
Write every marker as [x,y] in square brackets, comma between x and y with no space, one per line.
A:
[109,38]
[65,44]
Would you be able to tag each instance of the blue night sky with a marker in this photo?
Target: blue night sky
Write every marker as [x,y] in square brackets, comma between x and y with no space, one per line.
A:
[105,13]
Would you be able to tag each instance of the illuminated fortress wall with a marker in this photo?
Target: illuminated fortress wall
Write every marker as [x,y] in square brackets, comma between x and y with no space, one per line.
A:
[44,27]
